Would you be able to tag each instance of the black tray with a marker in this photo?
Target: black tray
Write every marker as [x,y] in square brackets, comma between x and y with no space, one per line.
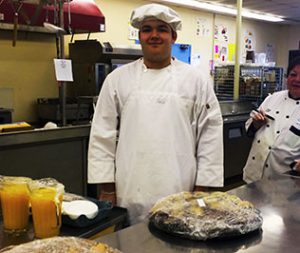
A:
[82,221]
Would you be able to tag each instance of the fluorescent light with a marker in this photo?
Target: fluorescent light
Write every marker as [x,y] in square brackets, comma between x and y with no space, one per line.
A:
[201,5]
[266,17]
[223,9]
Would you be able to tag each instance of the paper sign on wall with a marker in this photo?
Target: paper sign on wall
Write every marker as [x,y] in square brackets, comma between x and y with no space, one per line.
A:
[63,70]
[203,28]
[221,33]
[196,59]
[133,33]
[270,52]
[231,52]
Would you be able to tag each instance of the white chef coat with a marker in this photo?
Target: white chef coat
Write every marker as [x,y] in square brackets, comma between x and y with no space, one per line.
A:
[272,136]
[170,134]
[282,157]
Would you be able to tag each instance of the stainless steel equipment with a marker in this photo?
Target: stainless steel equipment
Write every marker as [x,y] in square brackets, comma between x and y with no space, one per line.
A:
[92,61]
[278,200]
[236,142]
[76,110]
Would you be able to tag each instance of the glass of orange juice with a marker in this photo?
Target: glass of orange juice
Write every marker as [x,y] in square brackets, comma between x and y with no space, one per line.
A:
[14,194]
[46,199]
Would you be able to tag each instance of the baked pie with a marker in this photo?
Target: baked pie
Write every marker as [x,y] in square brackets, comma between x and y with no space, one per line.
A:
[205,215]
[62,244]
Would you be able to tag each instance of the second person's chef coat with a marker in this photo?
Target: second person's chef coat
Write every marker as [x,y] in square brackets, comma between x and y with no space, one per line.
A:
[268,138]
[170,134]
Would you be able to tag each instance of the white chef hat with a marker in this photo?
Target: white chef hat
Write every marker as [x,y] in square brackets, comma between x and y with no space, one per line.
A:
[155,11]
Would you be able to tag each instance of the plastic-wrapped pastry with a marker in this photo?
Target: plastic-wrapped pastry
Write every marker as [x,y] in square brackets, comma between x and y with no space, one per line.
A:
[61,245]
[205,215]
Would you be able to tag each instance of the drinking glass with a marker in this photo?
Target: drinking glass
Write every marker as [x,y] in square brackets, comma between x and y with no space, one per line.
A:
[46,200]
[14,194]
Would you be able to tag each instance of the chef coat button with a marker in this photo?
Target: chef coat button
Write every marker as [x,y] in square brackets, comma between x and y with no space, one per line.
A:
[268,125]
[287,116]
[297,103]
[277,112]
[258,141]
[278,132]
[267,165]
[270,147]
[253,157]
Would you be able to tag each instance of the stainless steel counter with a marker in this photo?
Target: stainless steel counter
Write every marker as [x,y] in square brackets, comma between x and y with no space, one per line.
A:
[279,202]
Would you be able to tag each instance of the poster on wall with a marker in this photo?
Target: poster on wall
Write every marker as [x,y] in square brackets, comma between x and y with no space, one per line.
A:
[270,53]
[249,43]
[221,52]
[196,59]
[203,28]
[231,52]
[221,33]
[63,70]
[133,33]
[221,38]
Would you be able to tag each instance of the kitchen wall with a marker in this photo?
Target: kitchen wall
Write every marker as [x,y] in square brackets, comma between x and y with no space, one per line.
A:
[27,72]
[288,39]
[117,13]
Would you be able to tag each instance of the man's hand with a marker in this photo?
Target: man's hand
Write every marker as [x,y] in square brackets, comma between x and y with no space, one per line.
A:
[297,165]
[200,188]
[108,192]
[109,196]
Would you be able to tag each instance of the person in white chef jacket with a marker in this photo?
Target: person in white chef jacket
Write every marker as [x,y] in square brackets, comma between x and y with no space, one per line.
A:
[157,127]
[276,124]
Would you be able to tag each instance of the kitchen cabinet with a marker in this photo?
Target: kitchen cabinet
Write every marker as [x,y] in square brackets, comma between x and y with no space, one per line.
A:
[60,153]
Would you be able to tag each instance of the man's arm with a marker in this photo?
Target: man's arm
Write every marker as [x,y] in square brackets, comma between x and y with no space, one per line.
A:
[102,143]
[210,171]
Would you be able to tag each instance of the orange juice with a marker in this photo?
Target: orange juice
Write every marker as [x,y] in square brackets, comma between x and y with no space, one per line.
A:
[15,203]
[46,209]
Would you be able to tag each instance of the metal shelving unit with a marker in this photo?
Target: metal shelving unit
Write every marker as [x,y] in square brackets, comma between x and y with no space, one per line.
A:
[256,82]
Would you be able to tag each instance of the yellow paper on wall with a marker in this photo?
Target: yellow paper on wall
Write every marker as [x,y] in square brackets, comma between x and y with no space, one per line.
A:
[231,51]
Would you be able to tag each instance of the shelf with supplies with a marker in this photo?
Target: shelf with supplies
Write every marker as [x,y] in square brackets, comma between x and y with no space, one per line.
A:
[256,82]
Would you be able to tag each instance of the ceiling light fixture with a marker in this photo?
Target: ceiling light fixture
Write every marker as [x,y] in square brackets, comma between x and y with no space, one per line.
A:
[223,9]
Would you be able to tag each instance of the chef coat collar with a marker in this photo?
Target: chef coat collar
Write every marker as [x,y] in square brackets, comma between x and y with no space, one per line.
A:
[145,68]
[289,94]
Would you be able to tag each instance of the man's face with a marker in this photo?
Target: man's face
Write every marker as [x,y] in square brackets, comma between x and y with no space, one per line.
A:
[293,82]
[156,39]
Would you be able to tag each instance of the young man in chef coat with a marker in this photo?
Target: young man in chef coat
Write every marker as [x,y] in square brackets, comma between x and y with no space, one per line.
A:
[167,120]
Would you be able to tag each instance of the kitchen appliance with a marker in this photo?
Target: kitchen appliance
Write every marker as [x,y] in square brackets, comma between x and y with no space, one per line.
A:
[236,142]
[76,111]
[78,15]
[92,61]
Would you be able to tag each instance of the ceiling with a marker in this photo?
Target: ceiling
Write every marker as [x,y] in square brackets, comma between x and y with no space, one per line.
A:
[288,9]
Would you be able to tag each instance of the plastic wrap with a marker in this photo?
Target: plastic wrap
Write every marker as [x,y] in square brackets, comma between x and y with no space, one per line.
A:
[203,215]
[61,245]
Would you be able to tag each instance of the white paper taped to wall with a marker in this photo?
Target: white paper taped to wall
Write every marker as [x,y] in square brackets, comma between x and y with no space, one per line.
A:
[63,70]
[7,98]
